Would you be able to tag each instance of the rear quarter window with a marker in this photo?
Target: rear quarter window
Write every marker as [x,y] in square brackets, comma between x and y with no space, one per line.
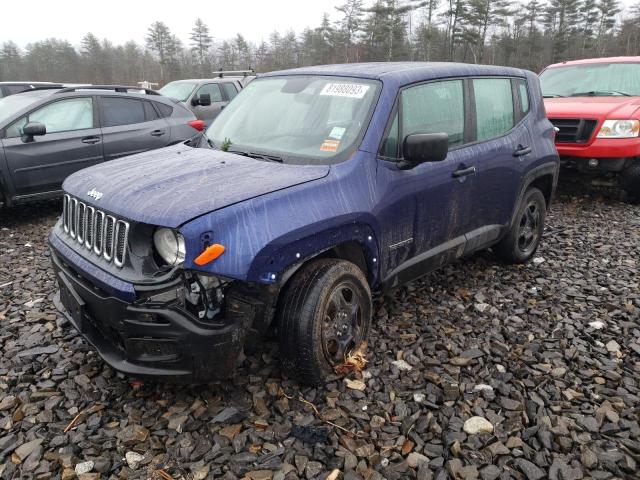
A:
[523,94]
[163,109]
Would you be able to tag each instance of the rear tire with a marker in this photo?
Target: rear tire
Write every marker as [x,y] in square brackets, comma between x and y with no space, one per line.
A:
[524,236]
[631,181]
[324,313]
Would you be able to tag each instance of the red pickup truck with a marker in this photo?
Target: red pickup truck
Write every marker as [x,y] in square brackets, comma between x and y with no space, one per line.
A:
[595,106]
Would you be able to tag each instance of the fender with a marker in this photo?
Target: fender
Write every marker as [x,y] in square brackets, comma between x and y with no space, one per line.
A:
[5,180]
[551,167]
[276,262]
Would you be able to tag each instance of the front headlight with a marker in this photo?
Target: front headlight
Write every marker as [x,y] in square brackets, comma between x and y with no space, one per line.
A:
[169,245]
[619,129]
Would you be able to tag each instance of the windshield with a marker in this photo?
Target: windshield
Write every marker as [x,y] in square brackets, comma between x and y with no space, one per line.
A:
[12,104]
[178,90]
[297,119]
[595,79]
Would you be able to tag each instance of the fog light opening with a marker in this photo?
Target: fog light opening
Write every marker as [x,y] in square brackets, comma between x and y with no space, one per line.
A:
[593,162]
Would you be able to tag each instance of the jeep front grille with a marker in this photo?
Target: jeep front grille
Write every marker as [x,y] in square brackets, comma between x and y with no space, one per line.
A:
[100,233]
[573,130]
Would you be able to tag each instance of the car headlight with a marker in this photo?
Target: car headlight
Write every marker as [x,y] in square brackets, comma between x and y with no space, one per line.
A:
[169,245]
[619,129]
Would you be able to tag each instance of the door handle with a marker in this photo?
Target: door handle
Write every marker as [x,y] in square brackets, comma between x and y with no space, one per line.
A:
[157,133]
[522,151]
[91,140]
[463,172]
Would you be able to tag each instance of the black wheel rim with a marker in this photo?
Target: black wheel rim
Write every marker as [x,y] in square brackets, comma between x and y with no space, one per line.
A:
[529,230]
[342,323]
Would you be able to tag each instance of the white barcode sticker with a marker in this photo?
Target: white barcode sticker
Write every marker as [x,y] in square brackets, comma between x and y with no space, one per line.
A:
[350,90]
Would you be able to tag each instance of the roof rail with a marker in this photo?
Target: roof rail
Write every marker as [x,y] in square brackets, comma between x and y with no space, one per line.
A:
[115,88]
[235,73]
[44,87]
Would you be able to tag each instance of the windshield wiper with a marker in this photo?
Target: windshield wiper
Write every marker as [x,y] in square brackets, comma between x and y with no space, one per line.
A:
[552,95]
[599,93]
[258,156]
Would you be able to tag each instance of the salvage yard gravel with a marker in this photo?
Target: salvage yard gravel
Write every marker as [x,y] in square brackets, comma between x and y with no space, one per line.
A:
[478,371]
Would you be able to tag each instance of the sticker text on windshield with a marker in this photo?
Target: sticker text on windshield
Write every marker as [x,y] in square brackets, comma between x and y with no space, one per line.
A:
[350,90]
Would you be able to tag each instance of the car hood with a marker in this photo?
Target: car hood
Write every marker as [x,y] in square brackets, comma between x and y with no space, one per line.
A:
[616,108]
[173,185]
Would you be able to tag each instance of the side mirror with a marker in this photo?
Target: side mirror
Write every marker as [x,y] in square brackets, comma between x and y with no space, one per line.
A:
[204,99]
[424,147]
[34,129]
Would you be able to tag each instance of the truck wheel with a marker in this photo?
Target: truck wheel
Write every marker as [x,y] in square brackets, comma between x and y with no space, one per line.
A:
[524,236]
[324,313]
[631,181]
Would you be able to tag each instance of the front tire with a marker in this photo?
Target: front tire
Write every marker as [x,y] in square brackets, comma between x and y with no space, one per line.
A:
[324,313]
[524,236]
[631,181]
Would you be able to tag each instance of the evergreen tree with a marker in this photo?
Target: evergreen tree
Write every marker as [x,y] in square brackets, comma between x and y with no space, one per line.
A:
[201,42]
[349,28]
[160,40]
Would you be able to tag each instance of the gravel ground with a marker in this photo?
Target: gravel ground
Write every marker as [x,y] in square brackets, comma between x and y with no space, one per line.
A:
[479,371]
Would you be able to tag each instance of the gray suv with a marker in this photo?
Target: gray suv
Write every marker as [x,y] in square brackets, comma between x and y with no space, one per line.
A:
[206,97]
[47,134]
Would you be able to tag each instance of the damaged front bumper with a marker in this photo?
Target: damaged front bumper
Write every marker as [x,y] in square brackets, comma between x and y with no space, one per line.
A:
[154,335]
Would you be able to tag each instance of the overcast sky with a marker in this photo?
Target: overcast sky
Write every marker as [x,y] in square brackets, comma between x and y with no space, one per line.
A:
[122,20]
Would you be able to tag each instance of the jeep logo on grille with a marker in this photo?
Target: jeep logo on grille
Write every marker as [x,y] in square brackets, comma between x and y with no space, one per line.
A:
[93,193]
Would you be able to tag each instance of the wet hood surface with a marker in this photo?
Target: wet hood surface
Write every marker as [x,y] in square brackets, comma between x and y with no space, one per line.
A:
[173,185]
[618,108]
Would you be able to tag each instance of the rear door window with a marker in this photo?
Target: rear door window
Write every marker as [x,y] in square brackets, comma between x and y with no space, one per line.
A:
[493,107]
[230,89]
[436,107]
[213,89]
[122,111]
[150,112]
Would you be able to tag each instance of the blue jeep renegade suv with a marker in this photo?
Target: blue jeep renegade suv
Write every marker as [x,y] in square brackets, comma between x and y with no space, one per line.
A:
[314,189]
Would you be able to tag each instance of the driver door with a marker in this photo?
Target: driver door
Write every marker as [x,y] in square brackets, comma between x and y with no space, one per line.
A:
[209,112]
[427,207]
[72,142]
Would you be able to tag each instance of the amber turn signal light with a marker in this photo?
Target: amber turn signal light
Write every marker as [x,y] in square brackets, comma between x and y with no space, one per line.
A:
[210,254]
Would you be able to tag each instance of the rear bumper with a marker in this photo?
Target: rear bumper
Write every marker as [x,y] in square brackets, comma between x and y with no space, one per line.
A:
[152,338]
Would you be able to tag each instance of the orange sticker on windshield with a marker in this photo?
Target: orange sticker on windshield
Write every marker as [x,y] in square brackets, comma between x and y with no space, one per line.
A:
[330,145]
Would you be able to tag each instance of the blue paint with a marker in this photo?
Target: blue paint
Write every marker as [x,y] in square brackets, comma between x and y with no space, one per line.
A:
[271,217]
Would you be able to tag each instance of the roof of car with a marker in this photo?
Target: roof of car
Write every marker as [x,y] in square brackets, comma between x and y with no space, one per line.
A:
[22,82]
[37,92]
[401,71]
[597,60]
[197,80]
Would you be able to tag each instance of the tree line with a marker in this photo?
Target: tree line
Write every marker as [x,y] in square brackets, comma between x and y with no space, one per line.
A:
[523,33]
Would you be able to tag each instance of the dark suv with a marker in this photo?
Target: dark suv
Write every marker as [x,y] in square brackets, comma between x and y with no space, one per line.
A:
[171,261]
[47,134]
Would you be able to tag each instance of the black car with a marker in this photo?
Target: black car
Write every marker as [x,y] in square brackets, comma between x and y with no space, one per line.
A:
[206,97]
[48,133]
[11,88]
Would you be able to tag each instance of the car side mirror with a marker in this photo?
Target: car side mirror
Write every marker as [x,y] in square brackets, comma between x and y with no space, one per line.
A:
[33,129]
[424,147]
[204,99]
